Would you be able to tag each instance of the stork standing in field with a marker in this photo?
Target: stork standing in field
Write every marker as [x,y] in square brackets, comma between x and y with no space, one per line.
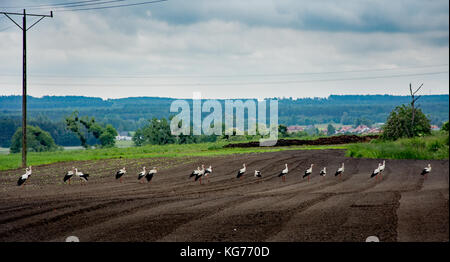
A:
[195,172]
[69,175]
[142,174]
[340,171]
[241,171]
[376,172]
[208,172]
[150,174]
[120,174]
[382,166]
[283,173]
[200,174]
[258,174]
[308,172]
[83,177]
[426,171]
[323,172]
[23,178]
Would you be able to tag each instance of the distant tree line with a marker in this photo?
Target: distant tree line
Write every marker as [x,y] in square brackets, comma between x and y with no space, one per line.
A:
[130,114]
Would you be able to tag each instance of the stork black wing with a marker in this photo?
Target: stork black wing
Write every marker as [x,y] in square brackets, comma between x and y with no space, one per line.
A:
[197,177]
[149,176]
[119,174]
[21,181]
[67,177]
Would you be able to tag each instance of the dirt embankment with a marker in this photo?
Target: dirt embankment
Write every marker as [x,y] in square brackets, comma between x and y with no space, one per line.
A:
[331,140]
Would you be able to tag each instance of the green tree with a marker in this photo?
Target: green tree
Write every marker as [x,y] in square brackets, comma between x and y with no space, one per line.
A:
[38,140]
[106,135]
[445,127]
[399,123]
[157,132]
[138,137]
[282,130]
[331,130]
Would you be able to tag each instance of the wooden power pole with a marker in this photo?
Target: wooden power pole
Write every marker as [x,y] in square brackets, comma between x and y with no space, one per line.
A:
[413,101]
[24,74]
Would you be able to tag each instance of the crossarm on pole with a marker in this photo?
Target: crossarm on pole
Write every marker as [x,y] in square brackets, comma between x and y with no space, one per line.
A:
[12,20]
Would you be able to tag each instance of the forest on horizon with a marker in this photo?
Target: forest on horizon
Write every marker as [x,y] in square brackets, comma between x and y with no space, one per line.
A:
[129,114]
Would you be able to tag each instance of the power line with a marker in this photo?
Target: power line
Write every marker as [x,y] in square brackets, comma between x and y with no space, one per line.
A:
[98,2]
[112,6]
[239,75]
[251,83]
[50,5]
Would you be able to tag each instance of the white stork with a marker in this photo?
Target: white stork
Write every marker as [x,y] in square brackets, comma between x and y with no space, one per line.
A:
[376,171]
[69,175]
[241,171]
[323,172]
[340,171]
[83,177]
[142,174]
[283,173]
[308,172]
[258,174]
[200,174]
[426,170]
[208,171]
[382,166]
[195,172]
[23,178]
[120,174]
[150,174]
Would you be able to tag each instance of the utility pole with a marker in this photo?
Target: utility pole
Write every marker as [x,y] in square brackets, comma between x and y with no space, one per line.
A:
[24,76]
[413,101]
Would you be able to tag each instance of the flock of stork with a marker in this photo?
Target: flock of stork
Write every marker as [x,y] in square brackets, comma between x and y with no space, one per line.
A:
[198,173]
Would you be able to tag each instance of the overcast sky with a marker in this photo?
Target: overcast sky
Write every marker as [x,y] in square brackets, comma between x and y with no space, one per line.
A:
[229,48]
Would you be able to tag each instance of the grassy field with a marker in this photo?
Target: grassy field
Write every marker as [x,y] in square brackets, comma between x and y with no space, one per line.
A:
[123,143]
[435,146]
[11,161]
[431,147]
[4,151]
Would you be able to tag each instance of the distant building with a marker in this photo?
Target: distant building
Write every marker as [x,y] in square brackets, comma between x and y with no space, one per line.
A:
[344,129]
[360,130]
[435,127]
[294,129]
[123,138]
[374,130]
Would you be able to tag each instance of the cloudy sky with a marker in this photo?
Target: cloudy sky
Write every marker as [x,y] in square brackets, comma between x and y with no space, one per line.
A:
[228,48]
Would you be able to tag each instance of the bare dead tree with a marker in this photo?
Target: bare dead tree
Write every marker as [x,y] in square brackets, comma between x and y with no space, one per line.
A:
[413,101]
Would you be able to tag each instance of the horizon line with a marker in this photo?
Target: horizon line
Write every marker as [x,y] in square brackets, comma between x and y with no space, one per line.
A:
[237,98]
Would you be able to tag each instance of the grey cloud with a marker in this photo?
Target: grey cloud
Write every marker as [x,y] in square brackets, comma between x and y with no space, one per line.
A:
[351,15]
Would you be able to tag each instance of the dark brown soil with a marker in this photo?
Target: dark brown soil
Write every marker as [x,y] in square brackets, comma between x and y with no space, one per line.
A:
[403,206]
[331,140]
